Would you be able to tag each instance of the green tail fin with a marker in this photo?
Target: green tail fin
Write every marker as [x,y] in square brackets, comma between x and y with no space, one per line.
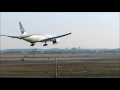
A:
[22,29]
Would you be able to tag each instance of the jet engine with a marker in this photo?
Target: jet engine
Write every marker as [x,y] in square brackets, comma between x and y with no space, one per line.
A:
[55,41]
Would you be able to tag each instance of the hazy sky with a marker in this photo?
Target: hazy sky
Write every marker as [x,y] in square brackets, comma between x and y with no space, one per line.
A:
[89,29]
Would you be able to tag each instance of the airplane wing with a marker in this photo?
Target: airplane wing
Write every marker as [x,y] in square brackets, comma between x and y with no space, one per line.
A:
[10,36]
[54,37]
[20,37]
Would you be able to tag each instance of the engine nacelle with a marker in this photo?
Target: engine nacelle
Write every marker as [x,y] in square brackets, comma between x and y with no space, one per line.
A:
[55,41]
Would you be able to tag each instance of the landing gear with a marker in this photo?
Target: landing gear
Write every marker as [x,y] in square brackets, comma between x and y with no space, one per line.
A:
[45,44]
[32,44]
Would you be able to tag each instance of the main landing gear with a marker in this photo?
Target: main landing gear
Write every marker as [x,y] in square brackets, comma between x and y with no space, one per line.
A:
[45,44]
[32,44]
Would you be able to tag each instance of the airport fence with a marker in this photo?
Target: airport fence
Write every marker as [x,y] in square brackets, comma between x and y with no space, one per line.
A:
[62,70]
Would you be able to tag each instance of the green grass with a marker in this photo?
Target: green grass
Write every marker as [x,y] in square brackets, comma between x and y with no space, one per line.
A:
[79,70]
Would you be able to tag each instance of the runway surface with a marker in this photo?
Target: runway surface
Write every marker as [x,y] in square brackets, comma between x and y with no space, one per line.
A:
[12,62]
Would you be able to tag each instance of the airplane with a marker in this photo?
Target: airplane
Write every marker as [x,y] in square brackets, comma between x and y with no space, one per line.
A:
[34,38]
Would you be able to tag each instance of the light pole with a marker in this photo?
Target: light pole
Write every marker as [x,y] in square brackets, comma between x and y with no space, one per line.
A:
[55,68]
[70,70]
[22,66]
[85,71]
[33,71]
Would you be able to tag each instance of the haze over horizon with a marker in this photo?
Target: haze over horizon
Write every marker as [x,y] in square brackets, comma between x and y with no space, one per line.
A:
[89,29]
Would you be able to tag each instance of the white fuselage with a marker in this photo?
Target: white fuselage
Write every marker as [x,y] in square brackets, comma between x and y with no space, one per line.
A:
[37,37]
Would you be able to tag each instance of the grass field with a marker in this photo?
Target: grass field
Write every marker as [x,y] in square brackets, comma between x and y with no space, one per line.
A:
[64,70]
[79,70]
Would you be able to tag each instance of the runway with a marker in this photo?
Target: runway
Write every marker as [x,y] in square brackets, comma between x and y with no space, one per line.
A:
[13,62]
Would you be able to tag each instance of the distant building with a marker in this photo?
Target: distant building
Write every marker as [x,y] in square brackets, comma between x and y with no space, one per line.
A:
[79,48]
[66,48]
[74,48]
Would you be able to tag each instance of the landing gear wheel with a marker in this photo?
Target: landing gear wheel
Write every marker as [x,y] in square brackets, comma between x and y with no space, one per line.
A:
[32,44]
[45,44]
